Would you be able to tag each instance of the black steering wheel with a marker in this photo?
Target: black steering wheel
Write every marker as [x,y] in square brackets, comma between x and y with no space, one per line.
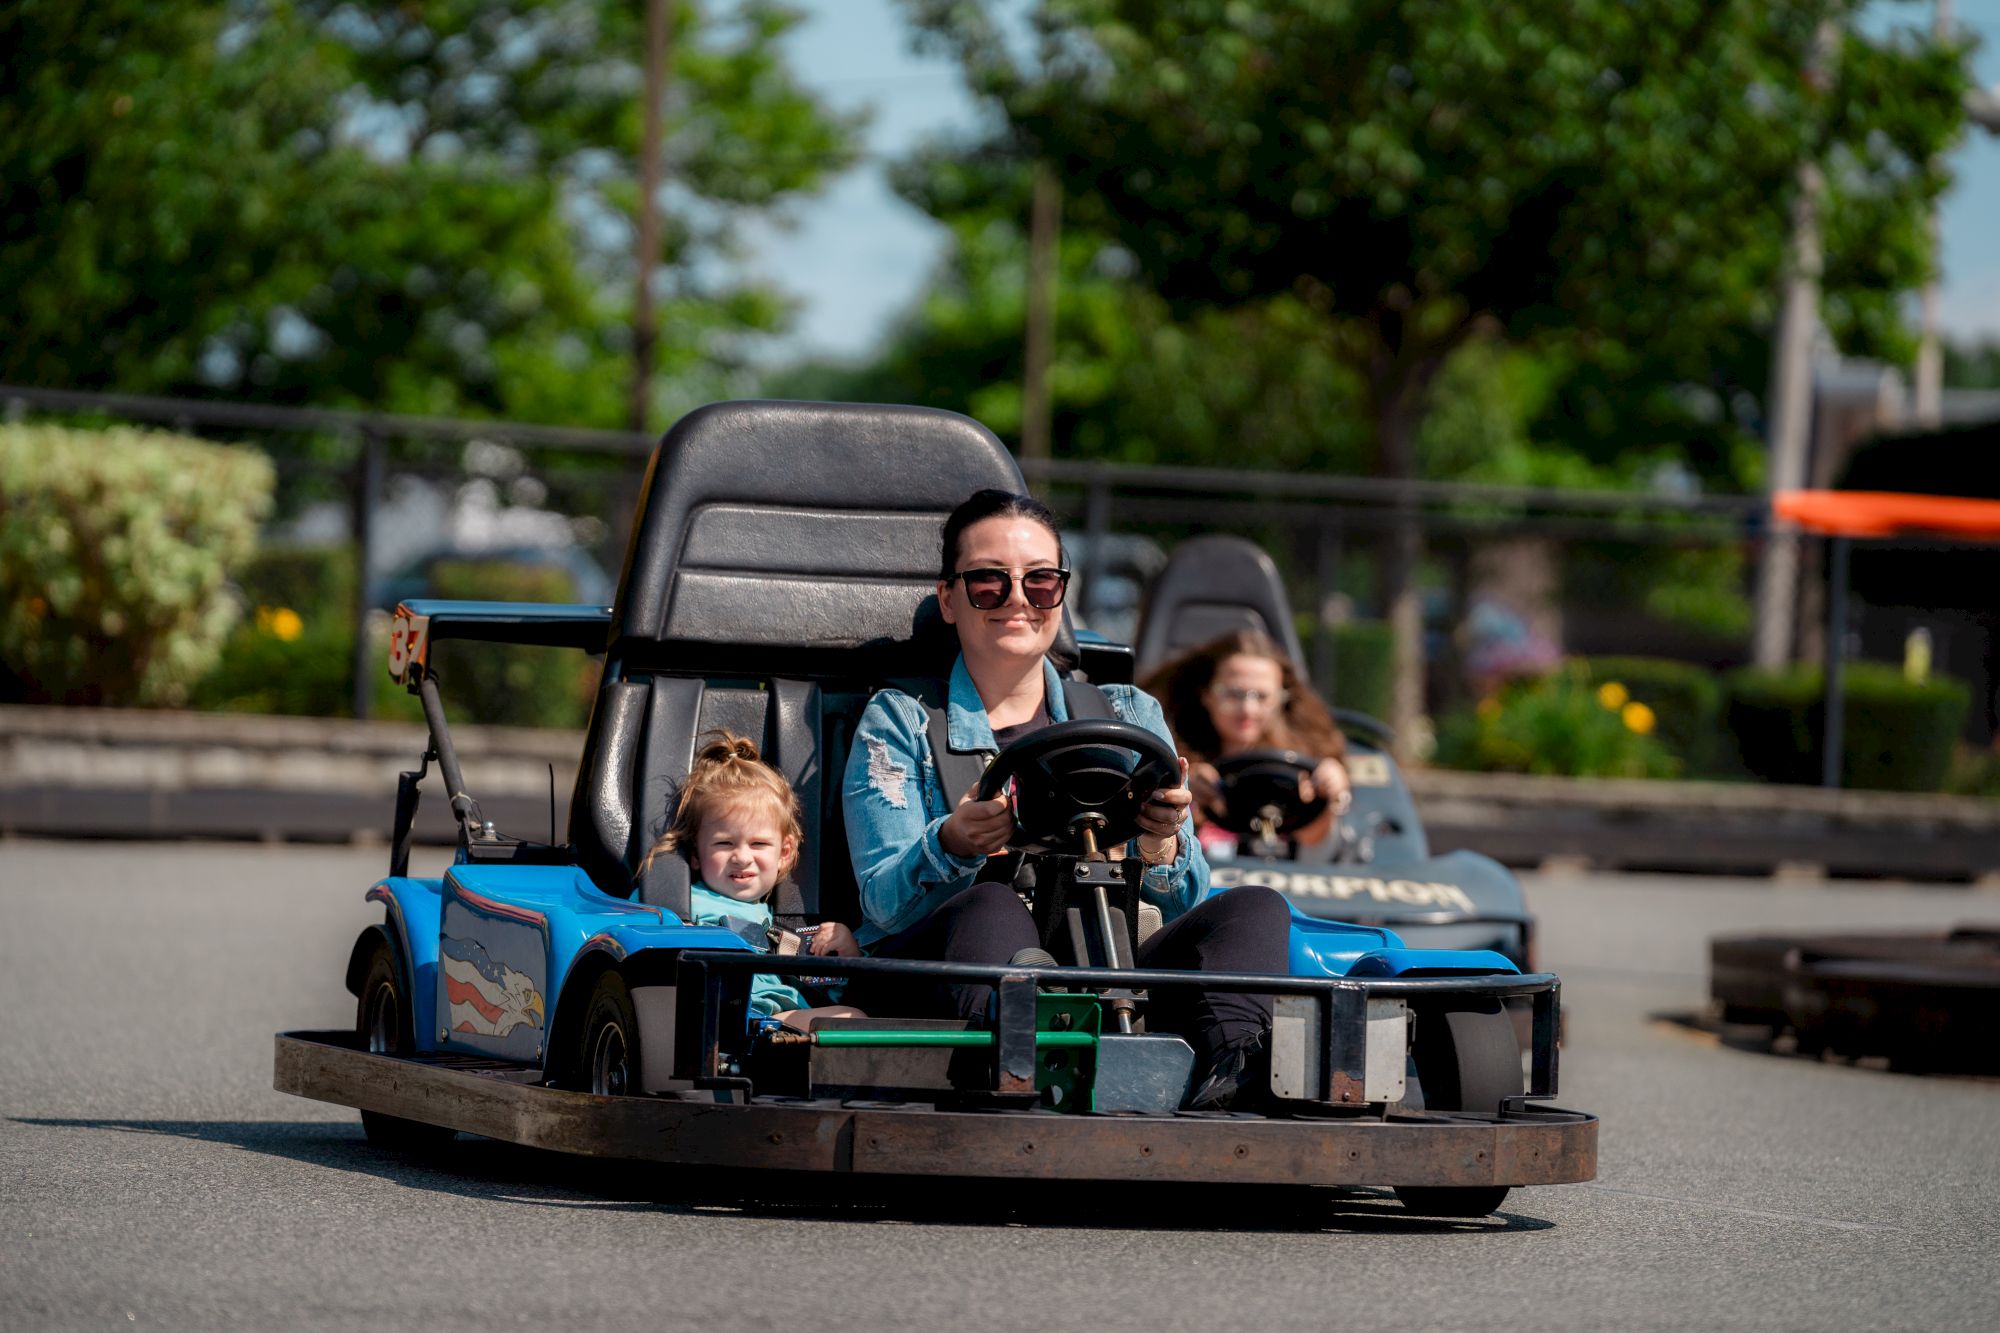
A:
[1260,793]
[1073,777]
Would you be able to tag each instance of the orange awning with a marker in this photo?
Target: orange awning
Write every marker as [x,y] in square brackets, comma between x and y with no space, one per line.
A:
[1889,513]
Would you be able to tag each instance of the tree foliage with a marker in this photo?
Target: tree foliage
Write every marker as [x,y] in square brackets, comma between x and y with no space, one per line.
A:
[416,207]
[1616,174]
[1612,180]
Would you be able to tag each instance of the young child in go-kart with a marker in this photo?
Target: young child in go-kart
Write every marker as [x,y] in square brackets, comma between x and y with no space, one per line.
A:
[737,823]
[1241,692]
[921,854]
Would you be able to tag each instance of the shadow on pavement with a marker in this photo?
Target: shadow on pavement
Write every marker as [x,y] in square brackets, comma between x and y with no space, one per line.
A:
[486,1169]
[1782,1042]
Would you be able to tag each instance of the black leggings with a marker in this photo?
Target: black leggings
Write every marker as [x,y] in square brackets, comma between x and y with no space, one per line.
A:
[985,924]
[1247,929]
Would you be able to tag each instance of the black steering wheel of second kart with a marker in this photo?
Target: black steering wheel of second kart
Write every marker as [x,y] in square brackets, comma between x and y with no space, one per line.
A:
[1261,787]
[1073,777]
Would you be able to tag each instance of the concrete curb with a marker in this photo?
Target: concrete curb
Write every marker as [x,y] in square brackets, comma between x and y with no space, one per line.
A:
[137,774]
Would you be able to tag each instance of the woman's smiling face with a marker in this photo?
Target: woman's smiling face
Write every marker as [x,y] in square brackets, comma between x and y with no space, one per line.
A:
[1014,630]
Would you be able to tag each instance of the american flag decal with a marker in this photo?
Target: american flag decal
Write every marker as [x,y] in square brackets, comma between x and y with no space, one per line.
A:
[486,997]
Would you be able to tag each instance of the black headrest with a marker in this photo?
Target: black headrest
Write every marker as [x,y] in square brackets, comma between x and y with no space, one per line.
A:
[805,526]
[1213,586]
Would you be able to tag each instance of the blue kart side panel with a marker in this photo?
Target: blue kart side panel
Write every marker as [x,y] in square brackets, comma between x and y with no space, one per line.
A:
[491,945]
[1321,947]
[412,907]
[1431,963]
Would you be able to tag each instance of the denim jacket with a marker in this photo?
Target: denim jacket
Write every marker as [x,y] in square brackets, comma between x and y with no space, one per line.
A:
[895,802]
[752,921]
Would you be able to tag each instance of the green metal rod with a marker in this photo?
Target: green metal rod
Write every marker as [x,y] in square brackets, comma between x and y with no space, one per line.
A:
[864,1037]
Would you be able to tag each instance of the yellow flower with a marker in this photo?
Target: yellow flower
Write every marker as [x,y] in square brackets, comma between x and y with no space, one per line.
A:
[1637,717]
[1489,708]
[285,623]
[1612,695]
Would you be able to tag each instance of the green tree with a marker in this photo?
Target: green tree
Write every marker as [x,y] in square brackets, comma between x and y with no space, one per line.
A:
[415,207]
[1972,364]
[1131,381]
[1423,175]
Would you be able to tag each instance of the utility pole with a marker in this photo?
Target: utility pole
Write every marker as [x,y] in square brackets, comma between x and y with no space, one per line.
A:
[1044,231]
[1790,396]
[1930,351]
[645,332]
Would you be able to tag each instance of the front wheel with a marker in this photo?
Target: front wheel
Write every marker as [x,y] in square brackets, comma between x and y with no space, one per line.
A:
[382,1023]
[606,1059]
[1467,1060]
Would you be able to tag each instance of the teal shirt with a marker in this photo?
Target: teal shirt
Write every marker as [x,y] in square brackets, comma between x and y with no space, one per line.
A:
[752,921]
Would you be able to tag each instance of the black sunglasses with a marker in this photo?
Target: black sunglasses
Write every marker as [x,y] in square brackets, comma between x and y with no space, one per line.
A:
[989,589]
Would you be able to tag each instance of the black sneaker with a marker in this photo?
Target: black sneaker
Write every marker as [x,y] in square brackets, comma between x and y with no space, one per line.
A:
[1238,1080]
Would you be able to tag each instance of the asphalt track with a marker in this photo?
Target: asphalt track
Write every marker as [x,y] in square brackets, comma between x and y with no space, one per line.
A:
[150,1177]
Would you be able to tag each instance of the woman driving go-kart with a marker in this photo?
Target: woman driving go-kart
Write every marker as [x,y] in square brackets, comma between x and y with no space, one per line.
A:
[1265,755]
[933,861]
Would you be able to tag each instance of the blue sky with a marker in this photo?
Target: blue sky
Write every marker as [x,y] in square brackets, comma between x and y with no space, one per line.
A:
[858,255]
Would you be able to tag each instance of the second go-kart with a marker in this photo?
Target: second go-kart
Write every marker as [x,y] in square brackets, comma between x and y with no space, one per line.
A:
[1375,867]
[780,571]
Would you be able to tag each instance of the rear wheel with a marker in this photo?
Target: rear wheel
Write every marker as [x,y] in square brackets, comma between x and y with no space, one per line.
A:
[606,1060]
[383,1024]
[1467,1060]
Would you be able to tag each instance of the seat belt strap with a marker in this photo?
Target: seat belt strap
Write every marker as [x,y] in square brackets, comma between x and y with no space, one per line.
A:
[959,770]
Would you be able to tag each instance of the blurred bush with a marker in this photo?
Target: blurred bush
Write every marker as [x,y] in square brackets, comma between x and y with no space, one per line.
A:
[292,654]
[1686,701]
[1562,724]
[115,550]
[285,662]
[314,580]
[509,684]
[1364,665]
[1975,773]
[1900,734]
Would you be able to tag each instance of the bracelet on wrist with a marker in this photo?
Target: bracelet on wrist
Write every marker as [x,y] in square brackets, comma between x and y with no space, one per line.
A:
[1173,850]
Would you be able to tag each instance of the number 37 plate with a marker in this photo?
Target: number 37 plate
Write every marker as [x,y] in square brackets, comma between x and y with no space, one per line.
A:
[409,645]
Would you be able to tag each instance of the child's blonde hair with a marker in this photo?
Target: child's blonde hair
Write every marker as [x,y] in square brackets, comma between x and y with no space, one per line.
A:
[728,772]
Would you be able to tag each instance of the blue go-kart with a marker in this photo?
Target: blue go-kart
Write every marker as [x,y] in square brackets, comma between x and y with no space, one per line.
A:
[780,570]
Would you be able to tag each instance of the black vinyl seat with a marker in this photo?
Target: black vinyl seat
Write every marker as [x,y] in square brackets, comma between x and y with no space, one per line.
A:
[1212,586]
[782,564]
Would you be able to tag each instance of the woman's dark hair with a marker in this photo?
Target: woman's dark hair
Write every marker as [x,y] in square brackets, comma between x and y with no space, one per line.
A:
[1304,724]
[991,503]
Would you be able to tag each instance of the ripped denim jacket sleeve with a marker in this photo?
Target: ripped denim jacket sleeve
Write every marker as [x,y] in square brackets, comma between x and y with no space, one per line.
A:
[895,803]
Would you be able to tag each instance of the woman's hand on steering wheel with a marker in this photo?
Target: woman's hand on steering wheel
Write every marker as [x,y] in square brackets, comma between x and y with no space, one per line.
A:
[1329,780]
[1161,817]
[976,827]
[1206,785]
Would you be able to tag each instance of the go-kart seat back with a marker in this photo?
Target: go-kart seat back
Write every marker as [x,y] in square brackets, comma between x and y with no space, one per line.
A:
[1212,586]
[780,561]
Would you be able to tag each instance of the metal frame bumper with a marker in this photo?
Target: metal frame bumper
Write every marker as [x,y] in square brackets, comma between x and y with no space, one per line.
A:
[1528,1147]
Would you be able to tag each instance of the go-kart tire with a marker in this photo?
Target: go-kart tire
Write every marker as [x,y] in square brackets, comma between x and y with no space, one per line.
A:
[383,1024]
[606,1058]
[1467,1060]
